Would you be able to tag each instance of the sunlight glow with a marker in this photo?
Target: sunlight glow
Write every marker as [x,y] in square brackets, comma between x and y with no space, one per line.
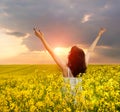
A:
[61,50]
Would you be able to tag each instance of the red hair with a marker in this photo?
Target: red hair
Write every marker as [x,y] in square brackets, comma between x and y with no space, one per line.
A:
[76,61]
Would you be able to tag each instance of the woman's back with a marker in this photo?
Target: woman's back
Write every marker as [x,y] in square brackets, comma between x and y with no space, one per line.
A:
[73,81]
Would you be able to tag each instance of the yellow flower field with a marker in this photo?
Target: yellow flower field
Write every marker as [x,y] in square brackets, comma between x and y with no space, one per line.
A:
[41,88]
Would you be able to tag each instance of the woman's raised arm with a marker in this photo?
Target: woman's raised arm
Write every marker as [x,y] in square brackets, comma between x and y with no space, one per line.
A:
[93,45]
[58,61]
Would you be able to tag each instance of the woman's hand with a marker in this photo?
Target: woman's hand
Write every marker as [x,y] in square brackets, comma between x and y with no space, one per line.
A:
[102,30]
[38,33]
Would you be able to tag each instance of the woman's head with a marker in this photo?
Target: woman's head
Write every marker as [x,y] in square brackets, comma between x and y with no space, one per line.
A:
[76,61]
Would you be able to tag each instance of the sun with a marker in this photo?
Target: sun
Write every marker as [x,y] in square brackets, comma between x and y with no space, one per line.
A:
[58,50]
[61,50]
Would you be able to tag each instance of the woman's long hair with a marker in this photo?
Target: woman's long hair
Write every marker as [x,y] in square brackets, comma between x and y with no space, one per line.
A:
[76,61]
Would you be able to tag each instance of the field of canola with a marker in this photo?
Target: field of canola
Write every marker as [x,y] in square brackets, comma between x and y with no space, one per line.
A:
[39,88]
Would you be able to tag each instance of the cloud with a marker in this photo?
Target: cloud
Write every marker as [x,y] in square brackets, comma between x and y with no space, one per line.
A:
[86,18]
[60,21]
[10,45]
[17,34]
[104,47]
[36,57]
[102,55]
[29,57]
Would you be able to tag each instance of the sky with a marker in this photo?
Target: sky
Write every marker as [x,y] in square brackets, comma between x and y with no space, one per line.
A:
[64,23]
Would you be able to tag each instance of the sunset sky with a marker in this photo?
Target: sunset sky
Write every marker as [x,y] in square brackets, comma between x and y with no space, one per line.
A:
[64,23]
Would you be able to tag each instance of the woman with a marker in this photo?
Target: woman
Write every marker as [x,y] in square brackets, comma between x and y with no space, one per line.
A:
[77,60]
